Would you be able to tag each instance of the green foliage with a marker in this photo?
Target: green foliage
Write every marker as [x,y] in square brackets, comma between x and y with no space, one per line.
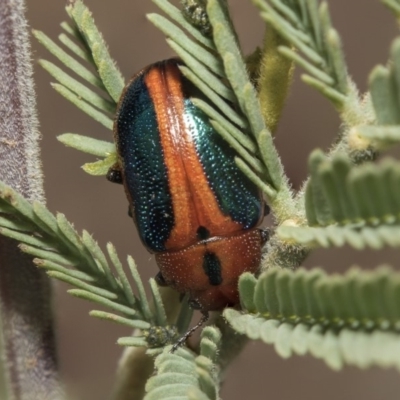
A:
[183,375]
[384,84]
[342,319]
[83,40]
[108,72]
[99,148]
[306,25]
[338,236]
[79,261]
[359,206]
[380,137]
[351,319]
[366,195]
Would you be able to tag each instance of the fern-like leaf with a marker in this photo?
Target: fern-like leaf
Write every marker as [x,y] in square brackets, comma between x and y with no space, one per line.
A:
[83,40]
[384,85]
[356,205]
[307,27]
[106,67]
[338,236]
[349,319]
[78,260]
[367,194]
[182,375]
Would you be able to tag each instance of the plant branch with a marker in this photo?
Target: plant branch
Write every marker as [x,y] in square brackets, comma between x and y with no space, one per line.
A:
[28,351]
[341,319]
[307,27]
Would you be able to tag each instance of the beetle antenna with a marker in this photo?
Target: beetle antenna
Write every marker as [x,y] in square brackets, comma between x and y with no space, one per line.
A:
[183,339]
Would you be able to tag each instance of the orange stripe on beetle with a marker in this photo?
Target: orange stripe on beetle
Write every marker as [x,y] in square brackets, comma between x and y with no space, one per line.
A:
[193,201]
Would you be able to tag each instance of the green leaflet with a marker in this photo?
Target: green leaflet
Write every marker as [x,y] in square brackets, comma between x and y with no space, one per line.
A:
[383,95]
[101,167]
[78,260]
[83,39]
[346,204]
[338,236]
[317,208]
[358,349]
[75,99]
[383,106]
[307,28]
[182,375]
[106,66]
[75,86]
[79,68]
[384,85]
[349,319]
[348,195]
[87,144]
[175,14]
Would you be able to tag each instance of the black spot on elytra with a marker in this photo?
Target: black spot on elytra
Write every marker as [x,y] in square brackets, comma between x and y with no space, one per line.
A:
[202,233]
[212,268]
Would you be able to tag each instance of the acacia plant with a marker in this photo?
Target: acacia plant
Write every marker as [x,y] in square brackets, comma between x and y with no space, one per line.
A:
[350,197]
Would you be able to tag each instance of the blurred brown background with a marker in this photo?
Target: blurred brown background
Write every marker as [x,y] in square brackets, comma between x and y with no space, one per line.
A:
[88,354]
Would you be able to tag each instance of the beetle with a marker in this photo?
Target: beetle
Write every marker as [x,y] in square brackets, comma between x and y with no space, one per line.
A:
[193,207]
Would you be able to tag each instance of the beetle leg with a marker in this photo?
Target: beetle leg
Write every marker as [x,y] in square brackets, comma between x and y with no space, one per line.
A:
[160,280]
[114,174]
[185,337]
[194,304]
[264,236]
[130,212]
[266,209]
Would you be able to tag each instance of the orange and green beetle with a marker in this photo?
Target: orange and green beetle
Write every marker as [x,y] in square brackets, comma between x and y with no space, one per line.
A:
[193,207]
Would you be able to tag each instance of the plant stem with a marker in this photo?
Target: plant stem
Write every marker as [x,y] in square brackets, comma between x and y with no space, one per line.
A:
[28,345]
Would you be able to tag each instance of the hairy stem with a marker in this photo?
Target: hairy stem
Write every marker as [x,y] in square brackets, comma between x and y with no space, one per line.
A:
[28,345]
